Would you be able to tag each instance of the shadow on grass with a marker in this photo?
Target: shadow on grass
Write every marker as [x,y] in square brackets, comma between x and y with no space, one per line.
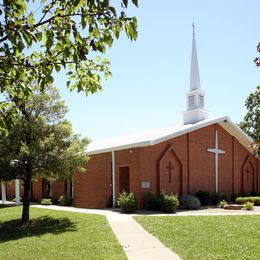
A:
[15,229]
[7,205]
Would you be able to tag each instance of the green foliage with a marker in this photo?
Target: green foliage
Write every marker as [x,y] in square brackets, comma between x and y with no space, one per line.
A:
[189,202]
[257,59]
[254,194]
[40,37]
[204,197]
[127,202]
[251,122]
[162,202]
[236,195]
[214,198]
[65,200]
[41,143]
[46,202]
[248,206]
[154,202]
[222,204]
[169,202]
[243,200]
[14,199]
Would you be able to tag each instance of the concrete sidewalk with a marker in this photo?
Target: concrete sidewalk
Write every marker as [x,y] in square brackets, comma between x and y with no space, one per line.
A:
[137,243]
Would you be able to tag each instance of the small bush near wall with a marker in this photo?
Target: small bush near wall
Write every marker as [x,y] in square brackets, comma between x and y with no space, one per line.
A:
[236,195]
[243,200]
[222,204]
[248,206]
[127,202]
[14,199]
[189,202]
[254,194]
[46,202]
[203,196]
[154,202]
[65,200]
[214,198]
[170,203]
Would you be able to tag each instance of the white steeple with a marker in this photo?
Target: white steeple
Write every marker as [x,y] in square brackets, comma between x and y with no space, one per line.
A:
[194,66]
[195,97]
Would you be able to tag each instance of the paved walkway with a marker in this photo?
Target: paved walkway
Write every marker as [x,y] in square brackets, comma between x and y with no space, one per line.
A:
[137,243]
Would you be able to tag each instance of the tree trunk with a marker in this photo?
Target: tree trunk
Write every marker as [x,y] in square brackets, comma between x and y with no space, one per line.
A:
[26,200]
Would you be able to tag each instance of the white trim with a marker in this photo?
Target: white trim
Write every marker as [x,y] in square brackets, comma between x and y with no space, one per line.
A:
[17,192]
[224,122]
[3,188]
[113,179]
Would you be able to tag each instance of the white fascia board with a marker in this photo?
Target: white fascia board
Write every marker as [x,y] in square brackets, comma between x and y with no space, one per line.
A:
[119,147]
[160,139]
[223,121]
[237,132]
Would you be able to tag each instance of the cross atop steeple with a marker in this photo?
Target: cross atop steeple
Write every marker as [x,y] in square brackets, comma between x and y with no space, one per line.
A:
[195,97]
[193,28]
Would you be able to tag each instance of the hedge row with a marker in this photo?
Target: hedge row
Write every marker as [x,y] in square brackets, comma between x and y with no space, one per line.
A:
[243,200]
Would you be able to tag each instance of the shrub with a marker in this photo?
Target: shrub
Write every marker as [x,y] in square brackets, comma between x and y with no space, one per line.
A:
[189,202]
[236,195]
[154,202]
[127,202]
[14,199]
[248,206]
[170,203]
[46,202]
[203,196]
[243,200]
[254,194]
[65,200]
[214,198]
[222,204]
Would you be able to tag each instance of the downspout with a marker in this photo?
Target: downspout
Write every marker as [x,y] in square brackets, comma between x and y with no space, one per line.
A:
[17,192]
[3,188]
[113,179]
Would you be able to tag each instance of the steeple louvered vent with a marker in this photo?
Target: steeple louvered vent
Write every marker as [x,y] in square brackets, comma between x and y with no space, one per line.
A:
[195,97]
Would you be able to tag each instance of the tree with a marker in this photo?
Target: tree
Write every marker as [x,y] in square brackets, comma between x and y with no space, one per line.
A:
[41,143]
[257,59]
[38,37]
[251,122]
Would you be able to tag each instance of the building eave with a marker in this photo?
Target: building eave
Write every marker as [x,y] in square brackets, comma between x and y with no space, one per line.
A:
[224,122]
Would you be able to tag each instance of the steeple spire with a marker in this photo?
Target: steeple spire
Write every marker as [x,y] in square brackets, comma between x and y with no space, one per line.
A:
[194,67]
[195,97]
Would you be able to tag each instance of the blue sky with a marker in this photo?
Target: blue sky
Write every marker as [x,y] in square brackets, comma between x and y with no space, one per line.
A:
[151,76]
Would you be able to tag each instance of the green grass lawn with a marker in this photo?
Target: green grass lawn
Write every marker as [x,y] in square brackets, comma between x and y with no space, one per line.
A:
[56,235]
[207,237]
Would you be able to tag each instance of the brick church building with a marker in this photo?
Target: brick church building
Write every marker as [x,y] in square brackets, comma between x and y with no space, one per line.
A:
[201,154]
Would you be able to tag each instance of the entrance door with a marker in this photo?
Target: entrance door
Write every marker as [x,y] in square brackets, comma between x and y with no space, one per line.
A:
[124,179]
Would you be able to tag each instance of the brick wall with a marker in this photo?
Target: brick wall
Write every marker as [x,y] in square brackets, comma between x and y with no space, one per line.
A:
[93,189]
[187,153]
